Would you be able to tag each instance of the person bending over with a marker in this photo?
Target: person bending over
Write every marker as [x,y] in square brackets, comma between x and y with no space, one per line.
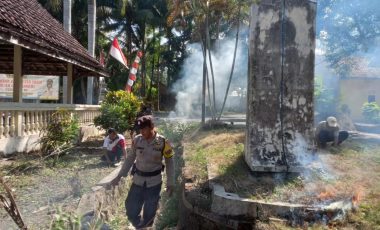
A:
[328,131]
[115,145]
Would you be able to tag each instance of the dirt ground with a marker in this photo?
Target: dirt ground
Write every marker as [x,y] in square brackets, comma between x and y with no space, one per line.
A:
[47,189]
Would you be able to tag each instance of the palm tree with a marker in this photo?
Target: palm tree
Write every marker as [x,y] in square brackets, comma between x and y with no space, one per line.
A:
[208,17]
[80,10]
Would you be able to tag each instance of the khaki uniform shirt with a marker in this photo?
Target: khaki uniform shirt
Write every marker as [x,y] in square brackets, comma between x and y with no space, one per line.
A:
[148,157]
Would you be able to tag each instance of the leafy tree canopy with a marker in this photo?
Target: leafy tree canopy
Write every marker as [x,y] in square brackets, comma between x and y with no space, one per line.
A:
[347,29]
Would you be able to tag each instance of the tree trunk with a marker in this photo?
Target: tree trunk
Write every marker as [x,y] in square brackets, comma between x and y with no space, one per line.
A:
[158,80]
[217,33]
[151,80]
[152,75]
[129,36]
[91,46]
[143,62]
[233,63]
[208,48]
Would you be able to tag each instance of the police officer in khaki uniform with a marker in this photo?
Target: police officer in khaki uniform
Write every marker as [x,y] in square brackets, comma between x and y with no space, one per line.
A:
[148,151]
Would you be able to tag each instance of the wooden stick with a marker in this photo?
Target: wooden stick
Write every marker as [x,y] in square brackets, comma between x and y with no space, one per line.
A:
[11,207]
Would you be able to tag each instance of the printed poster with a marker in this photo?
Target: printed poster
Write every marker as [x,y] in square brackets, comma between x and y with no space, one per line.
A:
[34,87]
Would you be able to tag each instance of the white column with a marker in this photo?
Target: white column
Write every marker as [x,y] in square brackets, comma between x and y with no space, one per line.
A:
[67,27]
[91,45]
[17,86]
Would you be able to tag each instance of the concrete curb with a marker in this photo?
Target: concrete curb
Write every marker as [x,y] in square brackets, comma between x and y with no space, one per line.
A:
[230,204]
[101,201]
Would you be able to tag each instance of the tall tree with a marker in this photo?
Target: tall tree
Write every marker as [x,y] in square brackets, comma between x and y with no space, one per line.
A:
[347,29]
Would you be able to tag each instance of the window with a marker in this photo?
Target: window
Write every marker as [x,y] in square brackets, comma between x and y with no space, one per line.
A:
[371,98]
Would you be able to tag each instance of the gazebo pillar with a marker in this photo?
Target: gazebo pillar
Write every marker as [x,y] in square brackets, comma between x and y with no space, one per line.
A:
[17,73]
[68,96]
[17,86]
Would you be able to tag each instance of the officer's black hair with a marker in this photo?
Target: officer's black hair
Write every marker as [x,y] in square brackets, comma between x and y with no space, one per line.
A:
[111,130]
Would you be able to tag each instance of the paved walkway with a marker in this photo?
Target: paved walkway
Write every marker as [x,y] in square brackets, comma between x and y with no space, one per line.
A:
[355,135]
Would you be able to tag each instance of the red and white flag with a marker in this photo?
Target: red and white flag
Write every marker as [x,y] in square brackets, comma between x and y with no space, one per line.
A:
[117,53]
[133,71]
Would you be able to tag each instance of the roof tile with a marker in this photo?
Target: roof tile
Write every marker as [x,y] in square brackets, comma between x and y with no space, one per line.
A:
[27,19]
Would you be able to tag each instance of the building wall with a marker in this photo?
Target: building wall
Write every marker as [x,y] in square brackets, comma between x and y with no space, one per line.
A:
[30,143]
[354,92]
[280,83]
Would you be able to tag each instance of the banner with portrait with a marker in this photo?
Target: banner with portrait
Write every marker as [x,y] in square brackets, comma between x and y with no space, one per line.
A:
[33,87]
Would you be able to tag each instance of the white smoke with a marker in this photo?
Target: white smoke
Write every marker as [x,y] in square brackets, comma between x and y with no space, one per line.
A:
[189,87]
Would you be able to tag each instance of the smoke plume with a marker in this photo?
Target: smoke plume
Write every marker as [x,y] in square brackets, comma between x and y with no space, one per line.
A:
[189,87]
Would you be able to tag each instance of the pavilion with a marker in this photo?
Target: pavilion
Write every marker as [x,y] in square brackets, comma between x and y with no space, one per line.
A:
[32,42]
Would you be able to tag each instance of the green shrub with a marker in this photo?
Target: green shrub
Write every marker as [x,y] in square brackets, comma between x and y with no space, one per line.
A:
[118,110]
[62,130]
[371,112]
[69,221]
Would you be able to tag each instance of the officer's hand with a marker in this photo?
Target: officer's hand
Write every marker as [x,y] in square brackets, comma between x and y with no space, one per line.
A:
[169,190]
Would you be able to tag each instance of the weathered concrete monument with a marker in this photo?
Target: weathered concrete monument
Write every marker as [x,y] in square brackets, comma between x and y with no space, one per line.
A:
[280,84]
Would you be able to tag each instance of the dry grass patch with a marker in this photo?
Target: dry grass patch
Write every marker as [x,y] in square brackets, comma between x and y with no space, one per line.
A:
[221,150]
[40,188]
[351,171]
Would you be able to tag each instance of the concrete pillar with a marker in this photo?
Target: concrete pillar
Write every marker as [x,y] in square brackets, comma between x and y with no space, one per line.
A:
[280,84]
[17,86]
[69,85]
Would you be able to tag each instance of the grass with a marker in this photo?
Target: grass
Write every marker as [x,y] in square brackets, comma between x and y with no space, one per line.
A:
[350,170]
[168,215]
[119,220]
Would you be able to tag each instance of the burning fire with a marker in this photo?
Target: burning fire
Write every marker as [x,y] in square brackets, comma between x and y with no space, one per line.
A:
[357,197]
[327,194]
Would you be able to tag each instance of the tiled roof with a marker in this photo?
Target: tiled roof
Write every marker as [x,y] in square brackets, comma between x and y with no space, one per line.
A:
[27,23]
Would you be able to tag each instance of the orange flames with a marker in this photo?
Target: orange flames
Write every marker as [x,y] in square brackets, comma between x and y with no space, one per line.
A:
[358,194]
[325,195]
[328,193]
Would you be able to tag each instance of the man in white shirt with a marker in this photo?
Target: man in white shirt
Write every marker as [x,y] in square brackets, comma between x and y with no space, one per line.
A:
[115,145]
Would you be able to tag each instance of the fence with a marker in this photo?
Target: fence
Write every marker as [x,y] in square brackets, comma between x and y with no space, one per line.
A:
[22,119]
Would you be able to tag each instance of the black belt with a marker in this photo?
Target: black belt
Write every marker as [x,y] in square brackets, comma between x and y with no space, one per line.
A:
[147,174]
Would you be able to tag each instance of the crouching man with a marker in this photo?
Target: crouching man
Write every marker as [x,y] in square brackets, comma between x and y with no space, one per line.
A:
[115,145]
[328,131]
[148,151]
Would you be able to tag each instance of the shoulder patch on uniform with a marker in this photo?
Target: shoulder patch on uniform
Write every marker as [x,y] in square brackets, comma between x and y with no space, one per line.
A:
[168,149]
